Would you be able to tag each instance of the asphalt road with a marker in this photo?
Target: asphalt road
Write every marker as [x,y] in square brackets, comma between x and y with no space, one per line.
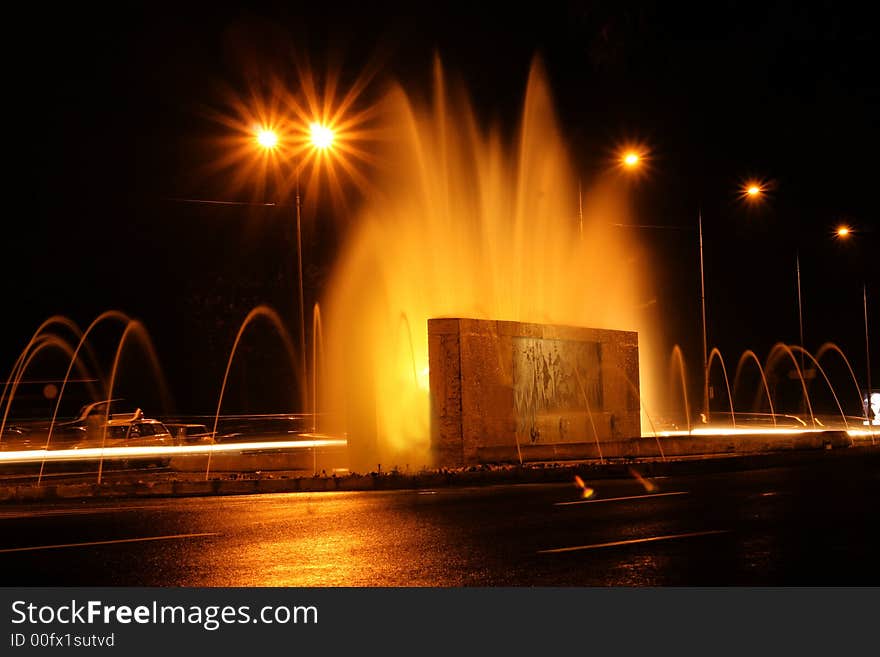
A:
[806,524]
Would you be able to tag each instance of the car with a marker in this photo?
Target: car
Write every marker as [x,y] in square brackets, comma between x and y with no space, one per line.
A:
[130,431]
[96,410]
[19,437]
[189,434]
[136,432]
[98,429]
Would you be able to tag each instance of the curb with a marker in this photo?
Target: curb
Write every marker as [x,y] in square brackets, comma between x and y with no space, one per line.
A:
[476,476]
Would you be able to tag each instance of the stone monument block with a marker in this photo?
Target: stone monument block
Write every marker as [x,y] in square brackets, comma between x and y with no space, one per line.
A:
[528,390]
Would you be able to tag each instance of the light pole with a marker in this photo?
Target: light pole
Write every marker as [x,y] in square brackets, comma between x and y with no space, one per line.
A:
[797,266]
[867,341]
[703,308]
[752,192]
[321,138]
[845,232]
[631,160]
[302,301]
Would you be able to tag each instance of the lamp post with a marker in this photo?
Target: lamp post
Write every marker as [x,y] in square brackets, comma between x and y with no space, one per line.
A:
[321,138]
[631,160]
[867,341]
[797,266]
[844,232]
[703,308]
[752,192]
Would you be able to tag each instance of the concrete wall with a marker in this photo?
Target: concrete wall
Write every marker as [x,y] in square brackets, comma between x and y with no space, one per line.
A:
[511,384]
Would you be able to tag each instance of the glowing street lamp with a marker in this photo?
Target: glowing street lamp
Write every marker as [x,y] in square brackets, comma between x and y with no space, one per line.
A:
[844,232]
[631,160]
[321,137]
[703,309]
[291,132]
[267,138]
[754,191]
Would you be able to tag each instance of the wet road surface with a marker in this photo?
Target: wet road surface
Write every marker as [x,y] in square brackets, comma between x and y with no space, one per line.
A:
[806,524]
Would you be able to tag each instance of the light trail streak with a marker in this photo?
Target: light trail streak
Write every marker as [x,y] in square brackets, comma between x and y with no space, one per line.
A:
[759,431]
[50,513]
[112,542]
[863,433]
[738,431]
[634,541]
[92,453]
[620,499]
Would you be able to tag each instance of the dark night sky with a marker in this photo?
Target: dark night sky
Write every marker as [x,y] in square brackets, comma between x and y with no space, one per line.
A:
[106,107]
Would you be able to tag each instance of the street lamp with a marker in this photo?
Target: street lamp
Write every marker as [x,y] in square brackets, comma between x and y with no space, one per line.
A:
[752,191]
[267,138]
[321,138]
[844,232]
[632,160]
[703,308]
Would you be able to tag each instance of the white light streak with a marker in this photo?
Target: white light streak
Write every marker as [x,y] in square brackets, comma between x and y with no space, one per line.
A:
[92,453]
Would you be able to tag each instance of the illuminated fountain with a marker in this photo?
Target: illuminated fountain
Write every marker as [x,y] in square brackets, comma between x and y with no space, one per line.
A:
[465,223]
[40,340]
[268,314]
[753,419]
[133,330]
[318,361]
[750,356]
[48,442]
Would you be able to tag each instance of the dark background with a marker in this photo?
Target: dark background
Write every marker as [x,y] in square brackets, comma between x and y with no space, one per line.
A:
[107,120]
